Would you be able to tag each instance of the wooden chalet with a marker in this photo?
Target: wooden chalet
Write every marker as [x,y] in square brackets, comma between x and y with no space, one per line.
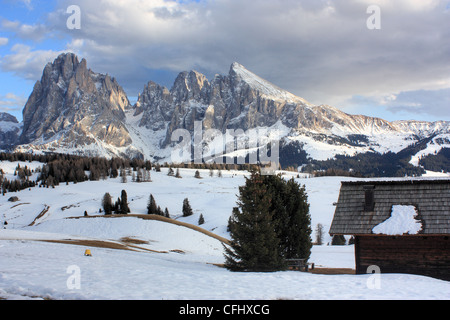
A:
[364,209]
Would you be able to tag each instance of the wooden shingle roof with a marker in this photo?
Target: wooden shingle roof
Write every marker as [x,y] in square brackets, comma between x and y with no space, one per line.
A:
[430,197]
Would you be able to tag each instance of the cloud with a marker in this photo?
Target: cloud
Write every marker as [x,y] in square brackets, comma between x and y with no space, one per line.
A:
[420,104]
[4,41]
[11,102]
[35,32]
[26,63]
[320,50]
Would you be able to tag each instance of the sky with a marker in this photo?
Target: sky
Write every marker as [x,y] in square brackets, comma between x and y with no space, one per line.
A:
[381,58]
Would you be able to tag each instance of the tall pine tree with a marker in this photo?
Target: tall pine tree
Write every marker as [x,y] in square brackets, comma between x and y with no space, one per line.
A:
[255,245]
[298,228]
[187,210]
[107,203]
[151,205]
[123,203]
[272,216]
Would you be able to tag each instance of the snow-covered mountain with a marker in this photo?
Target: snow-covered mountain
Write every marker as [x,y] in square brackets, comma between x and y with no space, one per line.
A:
[243,100]
[74,110]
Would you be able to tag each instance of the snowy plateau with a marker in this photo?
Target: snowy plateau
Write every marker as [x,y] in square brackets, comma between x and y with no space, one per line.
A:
[43,243]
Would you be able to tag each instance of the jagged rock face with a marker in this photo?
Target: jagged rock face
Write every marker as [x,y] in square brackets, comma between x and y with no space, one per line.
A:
[75,106]
[158,103]
[240,100]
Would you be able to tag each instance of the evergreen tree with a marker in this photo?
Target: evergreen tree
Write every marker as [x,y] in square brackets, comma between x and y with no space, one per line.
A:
[291,219]
[107,203]
[116,207]
[319,234]
[338,240]
[298,245]
[124,209]
[166,213]
[254,245]
[280,211]
[276,188]
[123,175]
[114,172]
[187,210]
[201,220]
[151,205]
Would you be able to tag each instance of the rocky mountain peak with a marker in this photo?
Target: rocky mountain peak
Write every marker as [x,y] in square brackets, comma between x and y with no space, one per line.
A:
[6,117]
[65,64]
[240,74]
[189,85]
[71,105]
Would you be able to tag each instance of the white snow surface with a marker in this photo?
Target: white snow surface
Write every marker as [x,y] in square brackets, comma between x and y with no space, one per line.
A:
[265,87]
[402,221]
[170,261]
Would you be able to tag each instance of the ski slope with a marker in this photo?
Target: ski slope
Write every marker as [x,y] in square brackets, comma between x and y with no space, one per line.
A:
[42,248]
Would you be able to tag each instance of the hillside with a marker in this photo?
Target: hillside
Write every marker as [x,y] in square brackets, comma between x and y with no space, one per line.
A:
[133,258]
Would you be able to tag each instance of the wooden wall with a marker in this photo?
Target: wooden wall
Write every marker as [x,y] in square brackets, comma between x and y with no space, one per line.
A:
[422,255]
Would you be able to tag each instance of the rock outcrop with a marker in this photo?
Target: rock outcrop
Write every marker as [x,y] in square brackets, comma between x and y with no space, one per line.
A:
[72,106]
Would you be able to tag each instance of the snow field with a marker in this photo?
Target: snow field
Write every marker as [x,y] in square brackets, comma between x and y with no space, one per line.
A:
[34,269]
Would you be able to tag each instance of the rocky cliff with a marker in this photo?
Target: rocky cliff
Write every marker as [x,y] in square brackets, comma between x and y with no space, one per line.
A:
[71,106]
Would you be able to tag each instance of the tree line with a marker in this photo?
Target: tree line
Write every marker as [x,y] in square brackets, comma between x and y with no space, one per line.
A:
[439,161]
[120,206]
[23,181]
[369,164]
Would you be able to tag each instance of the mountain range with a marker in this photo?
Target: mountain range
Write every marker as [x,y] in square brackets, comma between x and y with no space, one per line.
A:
[75,110]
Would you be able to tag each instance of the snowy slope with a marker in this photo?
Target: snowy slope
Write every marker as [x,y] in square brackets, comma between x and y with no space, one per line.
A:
[269,90]
[167,261]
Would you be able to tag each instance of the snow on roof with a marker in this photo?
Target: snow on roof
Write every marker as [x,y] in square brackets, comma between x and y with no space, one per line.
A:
[402,221]
[429,197]
[398,180]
